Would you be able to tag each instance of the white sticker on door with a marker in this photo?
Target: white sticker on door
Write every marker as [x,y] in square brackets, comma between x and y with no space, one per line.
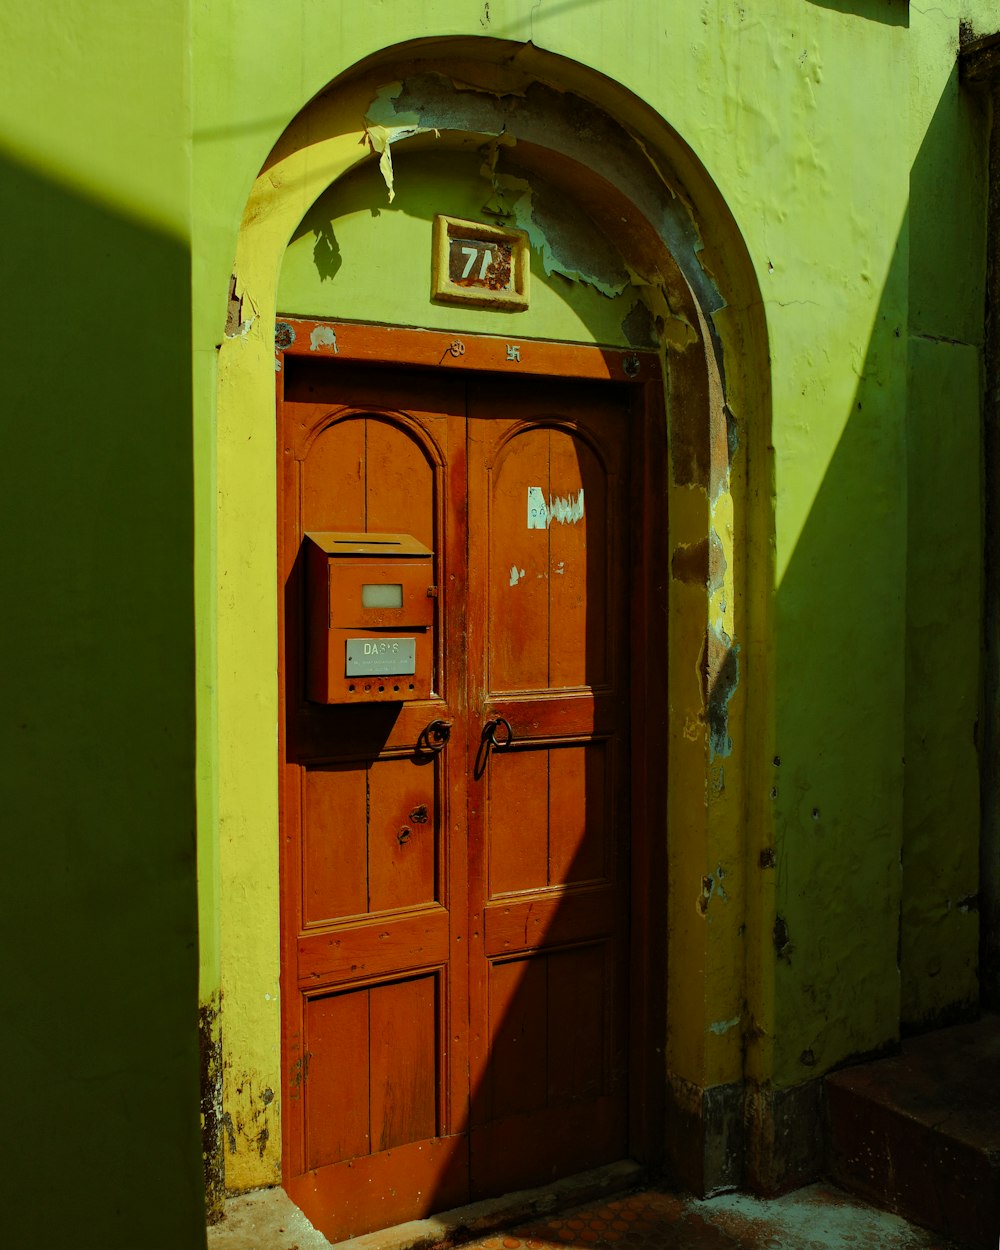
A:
[566,509]
[538,516]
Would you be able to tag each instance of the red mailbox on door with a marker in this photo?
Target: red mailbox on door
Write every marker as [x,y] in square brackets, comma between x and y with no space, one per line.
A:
[370,616]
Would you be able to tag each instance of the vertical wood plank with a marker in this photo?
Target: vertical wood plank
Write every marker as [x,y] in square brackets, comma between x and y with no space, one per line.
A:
[518,635]
[578,820]
[333,478]
[400,482]
[335,1078]
[403,832]
[518,1036]
[404,1049]
[578,1006]
[334,837]
[517,821]
[578,561]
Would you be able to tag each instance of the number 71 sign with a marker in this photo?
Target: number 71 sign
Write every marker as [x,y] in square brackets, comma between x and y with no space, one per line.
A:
[479,264]
[492,263]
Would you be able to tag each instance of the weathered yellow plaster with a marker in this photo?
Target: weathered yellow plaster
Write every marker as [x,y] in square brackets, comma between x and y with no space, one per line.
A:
[705,985]
[808,234]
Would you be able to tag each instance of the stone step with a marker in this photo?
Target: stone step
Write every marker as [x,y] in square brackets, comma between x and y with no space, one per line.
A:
[919,1133]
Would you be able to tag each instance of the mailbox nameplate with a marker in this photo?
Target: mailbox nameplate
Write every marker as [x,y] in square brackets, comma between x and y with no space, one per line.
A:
[381,657]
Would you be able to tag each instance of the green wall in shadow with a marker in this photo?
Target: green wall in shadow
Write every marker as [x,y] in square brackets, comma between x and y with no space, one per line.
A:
[99,922]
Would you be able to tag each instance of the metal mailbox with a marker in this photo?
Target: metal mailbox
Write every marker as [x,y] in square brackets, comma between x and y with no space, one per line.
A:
[370,603]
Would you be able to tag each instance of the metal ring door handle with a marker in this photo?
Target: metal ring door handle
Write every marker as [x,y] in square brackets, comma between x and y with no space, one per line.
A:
[434,736]
[490,733]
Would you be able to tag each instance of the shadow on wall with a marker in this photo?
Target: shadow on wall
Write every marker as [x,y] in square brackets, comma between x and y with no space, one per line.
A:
[101,1105]
[943,897]
[891,12]
[875,783]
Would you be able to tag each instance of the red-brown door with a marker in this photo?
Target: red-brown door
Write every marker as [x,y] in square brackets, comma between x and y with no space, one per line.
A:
[455,922]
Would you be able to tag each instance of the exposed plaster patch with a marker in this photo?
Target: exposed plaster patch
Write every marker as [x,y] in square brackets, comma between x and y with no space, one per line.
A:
[717,565]
[720,678]
[563,241]
[559,121]
[638,326]
[782,942]
[689,563]
[236,326]
[700,564]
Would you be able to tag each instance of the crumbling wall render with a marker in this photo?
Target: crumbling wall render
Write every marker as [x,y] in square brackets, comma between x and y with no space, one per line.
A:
[555,131]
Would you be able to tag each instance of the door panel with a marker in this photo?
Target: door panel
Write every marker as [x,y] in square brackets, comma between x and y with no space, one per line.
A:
[548,848]
[454,990]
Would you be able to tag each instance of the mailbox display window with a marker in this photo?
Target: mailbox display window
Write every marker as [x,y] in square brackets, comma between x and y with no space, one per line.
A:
[381,594]
[371,604]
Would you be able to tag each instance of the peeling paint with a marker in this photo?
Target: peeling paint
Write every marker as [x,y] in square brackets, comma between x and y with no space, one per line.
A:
[323,336]
[248,1117]
[236,325]
[720,678]
[557,242]
[782,942]
[433,103]
[566,509]
[561,509]
[210,1047]
[689,563]
[515,574]
[723,1026]
[384,126]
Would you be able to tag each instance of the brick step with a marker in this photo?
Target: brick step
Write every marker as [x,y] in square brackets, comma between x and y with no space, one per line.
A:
[919,1133]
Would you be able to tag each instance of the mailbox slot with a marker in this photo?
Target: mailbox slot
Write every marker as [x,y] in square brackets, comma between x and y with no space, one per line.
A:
[370,612]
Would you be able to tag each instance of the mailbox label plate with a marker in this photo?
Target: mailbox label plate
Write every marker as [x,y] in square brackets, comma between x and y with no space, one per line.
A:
[381,657]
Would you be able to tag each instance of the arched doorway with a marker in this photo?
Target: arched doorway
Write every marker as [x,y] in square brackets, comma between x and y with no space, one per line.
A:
[575,147]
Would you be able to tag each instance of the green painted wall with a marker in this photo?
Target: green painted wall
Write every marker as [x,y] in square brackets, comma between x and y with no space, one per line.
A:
[851,165]
[939,931]
[99,915]
[358,256]
[835,134]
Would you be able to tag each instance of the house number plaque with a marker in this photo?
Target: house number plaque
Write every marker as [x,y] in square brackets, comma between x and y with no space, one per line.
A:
[475,263]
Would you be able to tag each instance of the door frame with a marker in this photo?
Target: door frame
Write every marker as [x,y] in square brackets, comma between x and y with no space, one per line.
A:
[641,372]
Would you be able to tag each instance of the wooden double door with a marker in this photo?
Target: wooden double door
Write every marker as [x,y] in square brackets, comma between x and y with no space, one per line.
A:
[456,920]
